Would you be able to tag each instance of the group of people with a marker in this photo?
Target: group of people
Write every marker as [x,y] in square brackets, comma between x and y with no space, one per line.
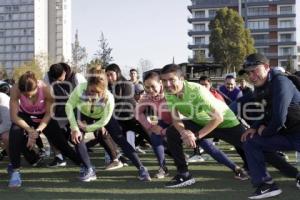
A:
[171,113]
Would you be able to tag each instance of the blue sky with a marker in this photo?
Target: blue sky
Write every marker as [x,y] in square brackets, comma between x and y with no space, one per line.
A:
[155,30]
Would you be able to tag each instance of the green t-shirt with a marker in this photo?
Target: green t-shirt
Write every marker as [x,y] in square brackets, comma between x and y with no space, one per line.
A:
[197,102]
[102,110]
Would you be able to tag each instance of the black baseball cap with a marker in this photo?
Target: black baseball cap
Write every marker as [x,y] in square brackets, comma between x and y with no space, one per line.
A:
[252,61]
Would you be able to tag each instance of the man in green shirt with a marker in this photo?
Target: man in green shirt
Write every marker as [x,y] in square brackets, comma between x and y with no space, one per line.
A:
[196,114]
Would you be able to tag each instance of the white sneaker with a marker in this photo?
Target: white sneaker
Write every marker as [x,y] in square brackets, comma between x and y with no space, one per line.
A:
[195,158]
[139,150]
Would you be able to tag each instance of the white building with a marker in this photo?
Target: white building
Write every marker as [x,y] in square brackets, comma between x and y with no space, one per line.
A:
[34,28]
[274,25]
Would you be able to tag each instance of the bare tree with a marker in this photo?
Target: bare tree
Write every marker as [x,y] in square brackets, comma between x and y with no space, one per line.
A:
[79,55]
[104,52]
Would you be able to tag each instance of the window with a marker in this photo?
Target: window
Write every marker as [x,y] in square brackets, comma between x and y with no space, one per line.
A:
[212,13]
[2,17]
[260,37]
[286,51]
[264,24]
[286,37]
[2,33]
[283,63]
[199,52]
[288,23]
[286,10]
[258,11]
[199,27]
[263,50]
[199,40]
[200,14]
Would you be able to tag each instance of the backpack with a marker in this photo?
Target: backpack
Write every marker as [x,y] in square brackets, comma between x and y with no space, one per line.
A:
[292,77]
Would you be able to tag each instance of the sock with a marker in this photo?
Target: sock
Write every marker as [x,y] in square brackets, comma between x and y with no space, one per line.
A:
[60,156]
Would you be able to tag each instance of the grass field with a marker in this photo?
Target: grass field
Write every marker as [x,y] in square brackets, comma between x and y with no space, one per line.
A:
[213,182]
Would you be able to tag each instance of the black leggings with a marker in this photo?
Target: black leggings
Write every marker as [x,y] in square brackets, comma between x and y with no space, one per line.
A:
[18,139]
[115,132]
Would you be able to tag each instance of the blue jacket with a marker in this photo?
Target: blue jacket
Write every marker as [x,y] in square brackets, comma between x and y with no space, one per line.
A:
[282,111]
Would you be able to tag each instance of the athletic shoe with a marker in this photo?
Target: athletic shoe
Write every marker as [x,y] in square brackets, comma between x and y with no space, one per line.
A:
[180,181]
[42,153]
[15,180]
[38,163]
[139,150]
[162,173]
[124,160]
[195,158]
[57,162]
[88,175]
[283,155]
[266,190]
[144,174]
[298,182]
[114,165]
[241,174]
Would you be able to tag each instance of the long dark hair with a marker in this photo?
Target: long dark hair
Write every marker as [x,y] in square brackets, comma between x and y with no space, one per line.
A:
[114,67]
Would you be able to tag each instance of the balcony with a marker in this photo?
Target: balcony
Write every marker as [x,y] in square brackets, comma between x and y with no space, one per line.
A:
[266,42]
[201,4]
[280,55]
[270,14]
[269,2]
[272,28]
[198,32]
[197,45]
[199,19]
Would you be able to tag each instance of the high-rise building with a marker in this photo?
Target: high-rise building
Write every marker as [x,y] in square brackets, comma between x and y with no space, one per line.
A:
[34,28]
[272,23]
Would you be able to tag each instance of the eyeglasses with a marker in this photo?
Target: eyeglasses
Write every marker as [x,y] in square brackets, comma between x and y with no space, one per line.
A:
[252,63]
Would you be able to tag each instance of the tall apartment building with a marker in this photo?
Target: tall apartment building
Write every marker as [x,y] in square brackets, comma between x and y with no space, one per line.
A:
[34,28]
[273,25]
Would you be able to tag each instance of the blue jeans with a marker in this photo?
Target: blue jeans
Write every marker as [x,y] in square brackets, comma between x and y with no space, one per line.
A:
[158,144]
[254,152]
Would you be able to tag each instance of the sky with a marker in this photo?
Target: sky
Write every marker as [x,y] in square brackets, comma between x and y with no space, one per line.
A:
[155,30]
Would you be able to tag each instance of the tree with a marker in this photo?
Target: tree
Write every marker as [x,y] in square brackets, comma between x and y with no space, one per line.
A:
[3,73]
[145,65]
[290,65]
[104,52]
[79,55]
[230,42]
[199,57]
[34,65]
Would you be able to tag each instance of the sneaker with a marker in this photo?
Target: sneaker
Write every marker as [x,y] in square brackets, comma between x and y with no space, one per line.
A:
[57,162]
[144,174]
[180,181]
[195,158]
[42,153]
[241,174]
[114,165]
[123,160]
[266,190]
[162,173]
[15,180]
[88,175]
[38,163]
[139,150]
[298,182]
[9,169]
[283,155]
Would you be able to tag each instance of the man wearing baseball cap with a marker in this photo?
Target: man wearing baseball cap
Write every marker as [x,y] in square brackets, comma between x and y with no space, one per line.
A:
[279,129]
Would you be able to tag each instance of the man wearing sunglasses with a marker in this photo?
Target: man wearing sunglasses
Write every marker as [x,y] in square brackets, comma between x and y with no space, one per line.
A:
[279,129]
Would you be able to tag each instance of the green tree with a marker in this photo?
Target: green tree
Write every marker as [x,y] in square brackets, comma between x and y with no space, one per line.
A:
[230,42]
[79,55]
[3,73]
[104,52]
[290,64]
[34,65]
[199,57]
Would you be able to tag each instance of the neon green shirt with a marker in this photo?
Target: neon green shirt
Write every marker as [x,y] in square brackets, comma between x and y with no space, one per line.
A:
[102,110]
[197,102]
